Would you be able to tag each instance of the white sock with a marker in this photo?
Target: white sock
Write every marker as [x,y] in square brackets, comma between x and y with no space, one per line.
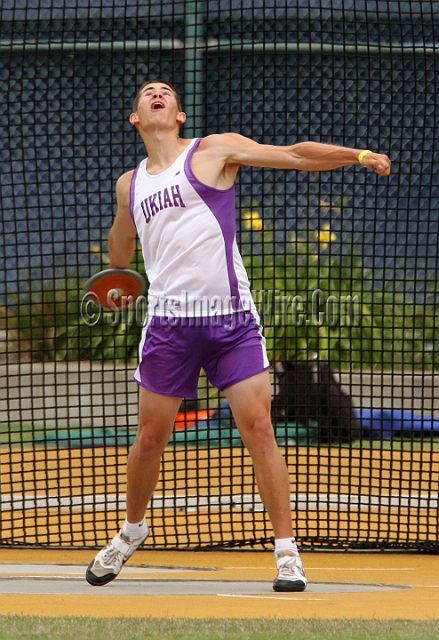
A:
[134,531]
[286,544]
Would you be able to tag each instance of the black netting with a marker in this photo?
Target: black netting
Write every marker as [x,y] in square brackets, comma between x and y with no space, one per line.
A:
[343,264]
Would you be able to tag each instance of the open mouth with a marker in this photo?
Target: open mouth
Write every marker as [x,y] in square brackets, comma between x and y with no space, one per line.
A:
[157,105]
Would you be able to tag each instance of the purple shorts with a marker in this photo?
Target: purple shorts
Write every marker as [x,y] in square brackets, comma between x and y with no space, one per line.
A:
[173,351]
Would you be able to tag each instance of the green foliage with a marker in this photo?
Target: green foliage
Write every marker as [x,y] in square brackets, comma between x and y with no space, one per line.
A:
[35,318]
[309,300]
[49,323]
[312,301]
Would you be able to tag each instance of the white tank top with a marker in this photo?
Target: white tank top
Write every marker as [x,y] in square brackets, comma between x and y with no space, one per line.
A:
[187,233]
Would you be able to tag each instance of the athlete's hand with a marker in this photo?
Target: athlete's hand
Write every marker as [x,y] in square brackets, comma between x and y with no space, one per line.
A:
[378,162]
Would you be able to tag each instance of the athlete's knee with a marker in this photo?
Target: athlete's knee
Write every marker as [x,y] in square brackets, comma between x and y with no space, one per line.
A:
[258,432]
[149,440]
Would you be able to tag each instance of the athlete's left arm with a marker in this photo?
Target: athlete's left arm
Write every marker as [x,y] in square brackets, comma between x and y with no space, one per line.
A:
[238,150]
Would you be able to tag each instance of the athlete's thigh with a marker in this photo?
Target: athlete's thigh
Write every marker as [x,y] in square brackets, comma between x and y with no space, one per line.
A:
[157,413]
[250,399]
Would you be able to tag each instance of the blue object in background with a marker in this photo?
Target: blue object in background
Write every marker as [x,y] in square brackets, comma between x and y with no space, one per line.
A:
[390,423]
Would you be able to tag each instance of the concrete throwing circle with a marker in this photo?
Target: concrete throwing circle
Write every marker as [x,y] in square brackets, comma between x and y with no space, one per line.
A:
[70,579]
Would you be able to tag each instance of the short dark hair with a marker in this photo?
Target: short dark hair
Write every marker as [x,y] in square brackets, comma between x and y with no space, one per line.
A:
[156,81]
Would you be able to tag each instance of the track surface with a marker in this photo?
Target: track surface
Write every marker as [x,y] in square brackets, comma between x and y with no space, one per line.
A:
[221,584]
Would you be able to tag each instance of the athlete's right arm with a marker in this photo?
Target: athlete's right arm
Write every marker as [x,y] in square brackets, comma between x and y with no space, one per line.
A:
[123,232]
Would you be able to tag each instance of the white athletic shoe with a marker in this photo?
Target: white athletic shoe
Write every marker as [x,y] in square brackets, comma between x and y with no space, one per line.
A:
[106,565]
[291,576]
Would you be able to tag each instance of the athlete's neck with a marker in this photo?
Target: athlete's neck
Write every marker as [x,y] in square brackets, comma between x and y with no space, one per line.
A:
[163,148]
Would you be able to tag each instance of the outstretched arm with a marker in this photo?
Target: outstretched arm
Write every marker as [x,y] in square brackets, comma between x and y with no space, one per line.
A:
[123,232]
[238,150]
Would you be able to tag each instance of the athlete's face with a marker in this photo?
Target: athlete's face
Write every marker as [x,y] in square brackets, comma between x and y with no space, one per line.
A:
[157,104]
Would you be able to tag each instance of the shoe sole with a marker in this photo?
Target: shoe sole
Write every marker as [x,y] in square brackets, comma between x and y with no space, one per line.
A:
[98,581]
[286,586]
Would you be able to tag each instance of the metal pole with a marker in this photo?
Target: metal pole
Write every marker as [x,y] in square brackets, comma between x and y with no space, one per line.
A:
[84,47]
[194,69]
[410,49]
[221,46]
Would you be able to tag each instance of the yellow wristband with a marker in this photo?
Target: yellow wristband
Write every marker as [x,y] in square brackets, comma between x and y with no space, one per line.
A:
[362,154]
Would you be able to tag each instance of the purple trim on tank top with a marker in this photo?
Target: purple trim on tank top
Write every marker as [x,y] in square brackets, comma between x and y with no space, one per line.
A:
[132,191]
[220,202]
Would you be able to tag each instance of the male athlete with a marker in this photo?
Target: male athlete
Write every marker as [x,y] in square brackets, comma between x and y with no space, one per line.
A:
[180,202]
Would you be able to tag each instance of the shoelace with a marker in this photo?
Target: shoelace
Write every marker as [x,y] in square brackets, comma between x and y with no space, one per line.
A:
[112,554]
[291,568]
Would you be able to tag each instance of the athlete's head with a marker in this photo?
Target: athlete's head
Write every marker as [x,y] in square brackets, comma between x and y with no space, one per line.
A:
[157,104]
[161,83]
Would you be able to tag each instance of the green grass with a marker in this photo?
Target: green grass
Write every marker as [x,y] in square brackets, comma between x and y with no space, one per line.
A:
[72,628]
[398,444]
[16,433]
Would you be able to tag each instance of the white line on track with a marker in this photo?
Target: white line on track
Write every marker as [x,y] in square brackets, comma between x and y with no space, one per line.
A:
[248,501]
[333,568]
[302,599]
[360,569]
